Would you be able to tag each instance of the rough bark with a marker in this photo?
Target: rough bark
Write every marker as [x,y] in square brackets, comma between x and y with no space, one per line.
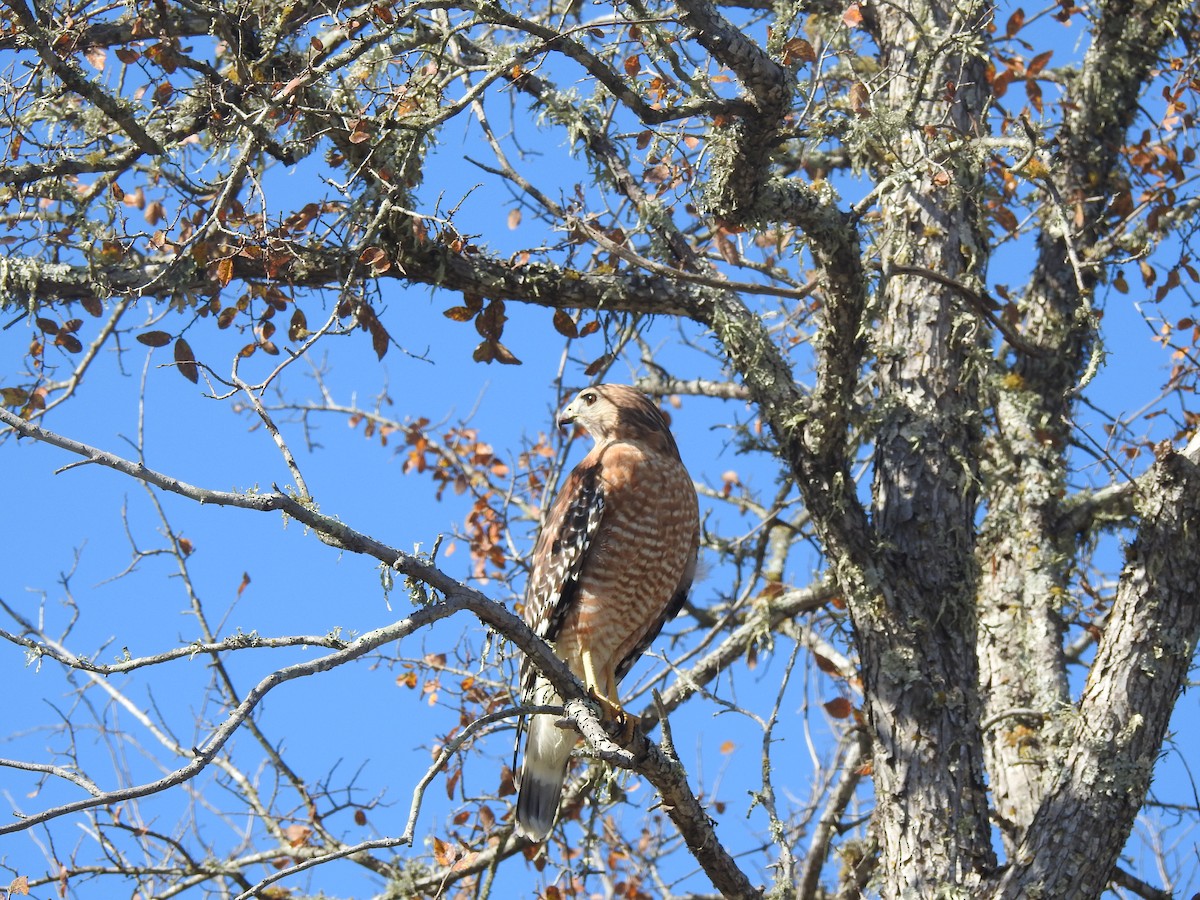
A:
[1026,552]
[1115,735]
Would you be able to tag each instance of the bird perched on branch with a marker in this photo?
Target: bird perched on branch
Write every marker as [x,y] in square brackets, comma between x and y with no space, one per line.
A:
[613,563]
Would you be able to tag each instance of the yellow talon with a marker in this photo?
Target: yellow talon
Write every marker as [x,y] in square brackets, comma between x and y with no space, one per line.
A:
[604,692]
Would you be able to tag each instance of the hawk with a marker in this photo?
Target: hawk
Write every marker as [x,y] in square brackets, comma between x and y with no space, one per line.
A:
[613,563]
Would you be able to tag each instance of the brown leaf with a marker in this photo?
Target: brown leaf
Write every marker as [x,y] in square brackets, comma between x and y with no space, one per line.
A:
[1033,90]
[825,664]
[1038,63]
[48,326]
[185,361]
[484,352]
[727,248]
[154,212]
[19,886]
[376,258]
[853,16]
[360,817]
[508,785]
[1015,23]
[96,57]
[839,708]
[459,313]
[633,65]
[798,50]
[93,306]
[379,337]
[245,583]
[68,342]
[514,219]
[358,133]
[136,198]
[597,364]
[859,97]
[154,338]
[225,271]
[298,329]
[13,396]
[490,322]
[564,324]
[504,356]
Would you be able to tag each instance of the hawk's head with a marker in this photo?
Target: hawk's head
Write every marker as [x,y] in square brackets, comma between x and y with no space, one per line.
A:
[617,412]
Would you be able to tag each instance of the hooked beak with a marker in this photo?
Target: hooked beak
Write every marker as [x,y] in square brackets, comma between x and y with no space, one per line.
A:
[566,418]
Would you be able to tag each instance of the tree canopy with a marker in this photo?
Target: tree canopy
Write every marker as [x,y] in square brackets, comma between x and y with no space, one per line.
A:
[914,279]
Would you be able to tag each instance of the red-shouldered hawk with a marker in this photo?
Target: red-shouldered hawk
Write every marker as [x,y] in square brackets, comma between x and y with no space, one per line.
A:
[613,563]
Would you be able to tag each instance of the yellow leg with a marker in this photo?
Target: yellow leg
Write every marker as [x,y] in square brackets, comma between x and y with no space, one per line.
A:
[605,691]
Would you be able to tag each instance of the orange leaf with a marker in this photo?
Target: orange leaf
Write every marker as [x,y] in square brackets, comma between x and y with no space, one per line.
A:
[1015,22]
[225,271]
[852,17]
[728,747]
[839,708]
[1038,63]
[245,582]
[443,853]
[297,835]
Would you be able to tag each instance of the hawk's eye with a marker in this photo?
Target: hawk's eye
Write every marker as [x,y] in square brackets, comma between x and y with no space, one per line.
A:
[589,398]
